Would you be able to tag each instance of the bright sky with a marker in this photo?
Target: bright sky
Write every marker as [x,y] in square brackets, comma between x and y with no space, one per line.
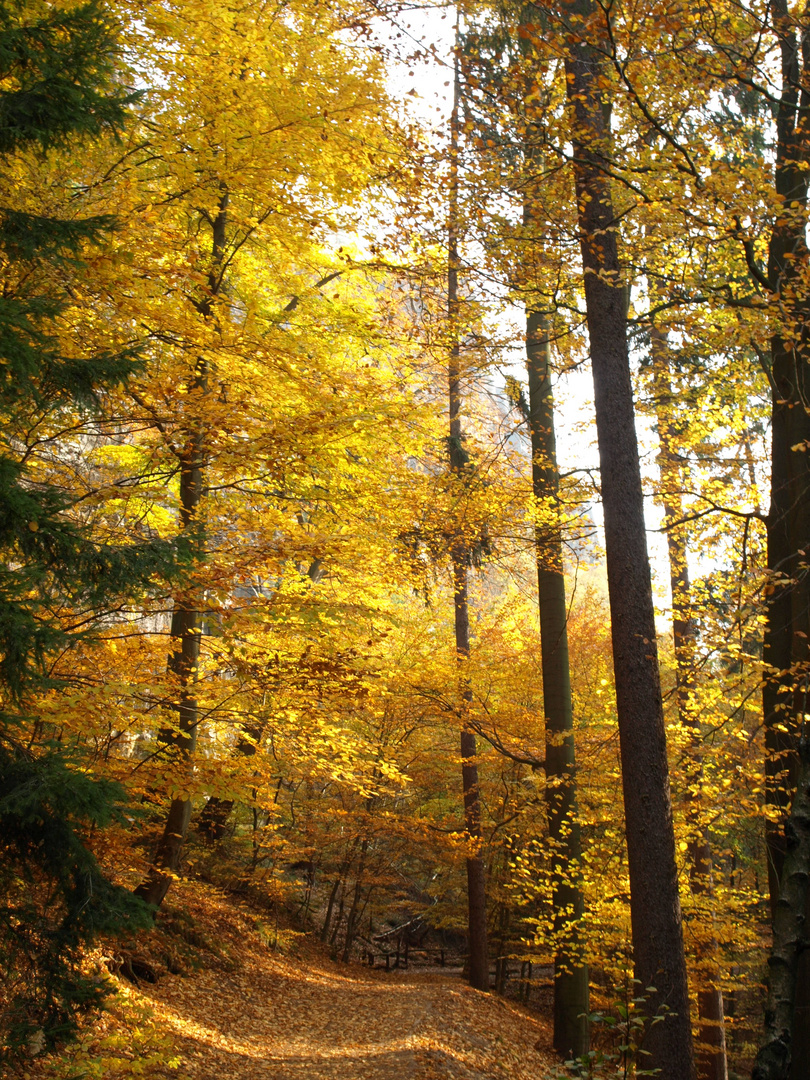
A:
[432,29]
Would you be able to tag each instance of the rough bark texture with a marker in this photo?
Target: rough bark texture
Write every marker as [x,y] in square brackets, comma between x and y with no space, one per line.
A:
[654,901]
[786,642]
[774,1060]
[710,1049]
[186,627]
[476,874]
[571,999]
[180,743]
[786,649]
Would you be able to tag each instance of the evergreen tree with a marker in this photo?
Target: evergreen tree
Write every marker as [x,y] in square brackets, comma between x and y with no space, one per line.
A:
[57,581]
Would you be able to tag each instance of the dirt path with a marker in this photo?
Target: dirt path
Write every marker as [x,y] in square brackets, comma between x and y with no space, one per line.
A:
[277,1021]
[300,1017]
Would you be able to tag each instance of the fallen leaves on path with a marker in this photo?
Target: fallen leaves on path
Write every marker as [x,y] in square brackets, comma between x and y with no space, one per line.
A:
[261,1015]
[279,1020]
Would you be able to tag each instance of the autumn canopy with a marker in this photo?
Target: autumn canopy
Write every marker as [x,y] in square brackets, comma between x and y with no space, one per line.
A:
[405,504]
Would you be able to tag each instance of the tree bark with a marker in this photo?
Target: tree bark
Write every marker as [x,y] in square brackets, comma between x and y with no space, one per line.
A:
[654,901]
[352,920]
[786,646]
[774,1060]
[476,875]
[180,743]
[213,820]
[786,642]
[186,626]
[571,998]
[710,1051]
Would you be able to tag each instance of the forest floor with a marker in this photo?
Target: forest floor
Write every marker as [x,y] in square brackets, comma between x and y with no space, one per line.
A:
[251,1002]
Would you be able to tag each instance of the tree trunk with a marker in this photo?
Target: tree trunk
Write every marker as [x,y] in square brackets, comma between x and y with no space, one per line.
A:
[352,920]
[330,906]
[213,819]
[181,742]
[333,938]
[476,876]
[786,647]
[571,999]
[774,1060]
[654,901]
[710,1051]
[186,626]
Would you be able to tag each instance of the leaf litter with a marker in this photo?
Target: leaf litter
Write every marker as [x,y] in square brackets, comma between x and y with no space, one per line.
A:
[252,1011]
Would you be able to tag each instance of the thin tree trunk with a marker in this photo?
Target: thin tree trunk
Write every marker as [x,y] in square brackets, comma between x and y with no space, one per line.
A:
[183,661]
[710,1051]
[654,901]
[476,876]
[328,919]
[353,910]
[213,819]
[571,989]
[502,962]
[343,870]
[186,625]
[571,998]
[333,938]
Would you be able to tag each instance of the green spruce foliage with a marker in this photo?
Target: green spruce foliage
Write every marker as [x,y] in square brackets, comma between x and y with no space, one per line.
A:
[55,900]
[57,86]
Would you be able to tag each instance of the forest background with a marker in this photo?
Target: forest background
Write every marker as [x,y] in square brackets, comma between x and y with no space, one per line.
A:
[276,499]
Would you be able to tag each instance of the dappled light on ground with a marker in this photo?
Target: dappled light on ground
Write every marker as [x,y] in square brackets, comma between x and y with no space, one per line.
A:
[297,1016]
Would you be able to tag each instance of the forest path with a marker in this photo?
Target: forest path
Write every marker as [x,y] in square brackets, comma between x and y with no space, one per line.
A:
[301,1017]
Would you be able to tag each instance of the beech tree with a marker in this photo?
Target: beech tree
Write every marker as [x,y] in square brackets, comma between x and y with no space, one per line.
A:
[224,218]
[460,556]
[251,370]
[655,905]
[571,972]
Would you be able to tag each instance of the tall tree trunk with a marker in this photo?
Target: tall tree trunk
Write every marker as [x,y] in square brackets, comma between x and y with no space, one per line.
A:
[787,634]
[786,646]
[571,999]
[330,906]
[186,626]
[571,989]
[180,743]
[654,901]
[353,920]
[710,1052]
[773,1062]
[476,875]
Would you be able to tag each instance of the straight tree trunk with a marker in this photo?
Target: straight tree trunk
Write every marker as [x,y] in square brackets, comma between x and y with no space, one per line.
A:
[186,626]
[180,743]
[786,646]
[328,919]
[571,989]
[710,1051]
[476,875]
[352,920]
[571,998]
[655,910]
[774,1060]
